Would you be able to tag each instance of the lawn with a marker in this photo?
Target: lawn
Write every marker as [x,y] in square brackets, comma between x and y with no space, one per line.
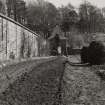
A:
[82,86]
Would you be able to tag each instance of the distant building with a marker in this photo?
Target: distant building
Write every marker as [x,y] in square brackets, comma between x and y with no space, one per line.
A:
[99,37]
[103,12]
[3,7]
[16,10]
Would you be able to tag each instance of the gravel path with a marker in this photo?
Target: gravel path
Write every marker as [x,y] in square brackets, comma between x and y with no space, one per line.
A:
[38,87]
[13,70]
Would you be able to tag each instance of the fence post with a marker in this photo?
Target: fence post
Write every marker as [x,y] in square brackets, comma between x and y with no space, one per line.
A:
[16,41]
[2,38]
[6,37]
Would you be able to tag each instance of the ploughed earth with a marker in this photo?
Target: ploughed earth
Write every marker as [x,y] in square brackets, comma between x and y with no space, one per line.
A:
[53,83]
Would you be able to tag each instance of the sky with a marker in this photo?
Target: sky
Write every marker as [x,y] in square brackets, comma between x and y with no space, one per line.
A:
[75,3]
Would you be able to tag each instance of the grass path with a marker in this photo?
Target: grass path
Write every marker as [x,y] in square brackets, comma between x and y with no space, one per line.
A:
[81,86]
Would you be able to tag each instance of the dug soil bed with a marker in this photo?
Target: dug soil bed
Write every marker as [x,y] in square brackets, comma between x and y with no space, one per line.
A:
[38,87]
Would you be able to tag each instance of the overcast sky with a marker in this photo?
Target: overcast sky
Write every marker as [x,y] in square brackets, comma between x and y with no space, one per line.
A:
[76,3]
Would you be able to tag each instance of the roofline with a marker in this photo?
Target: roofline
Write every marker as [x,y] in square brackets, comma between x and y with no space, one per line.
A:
[17,23]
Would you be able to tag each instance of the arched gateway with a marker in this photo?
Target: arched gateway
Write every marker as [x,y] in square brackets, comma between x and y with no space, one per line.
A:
[57,41]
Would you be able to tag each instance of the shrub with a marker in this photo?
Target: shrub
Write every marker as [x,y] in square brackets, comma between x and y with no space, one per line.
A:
[96,53]
[84,55]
